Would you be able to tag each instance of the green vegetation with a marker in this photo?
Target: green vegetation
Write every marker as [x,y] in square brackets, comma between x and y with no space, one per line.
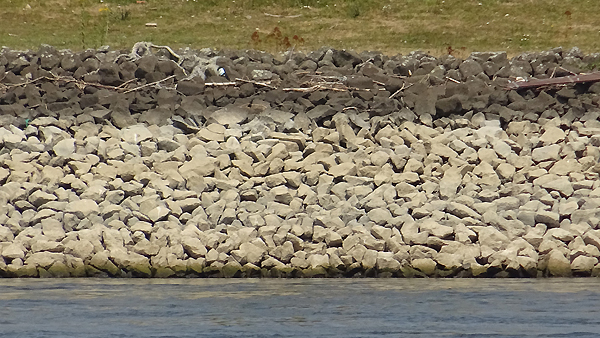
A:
[390,26]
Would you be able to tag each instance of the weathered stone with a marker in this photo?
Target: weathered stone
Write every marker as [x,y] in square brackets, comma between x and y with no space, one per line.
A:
[147,248]
[491,237]
[83,208]
[583,264]
[549,218]
[14,250]
[81,248]
[425,265]
[230,116]
[461,210]
[249,253]
[136,134]
[565,167]
[318,260]
[450,182]
[552,135]
[546,153]
[442,150]
[44,259]
[380,216]
[64,148]
[158,213]
[436,229]
[558,264]
[40,197]
[343,169]
[554,182]
[387,262]
[53,229]
[506,171]
[449,261]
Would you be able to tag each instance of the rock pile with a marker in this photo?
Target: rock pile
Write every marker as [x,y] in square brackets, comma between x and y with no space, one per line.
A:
[331,163]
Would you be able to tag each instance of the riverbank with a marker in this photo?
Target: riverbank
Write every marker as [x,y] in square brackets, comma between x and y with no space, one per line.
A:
[159,163]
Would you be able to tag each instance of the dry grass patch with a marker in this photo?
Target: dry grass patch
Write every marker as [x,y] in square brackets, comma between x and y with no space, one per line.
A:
[383,25]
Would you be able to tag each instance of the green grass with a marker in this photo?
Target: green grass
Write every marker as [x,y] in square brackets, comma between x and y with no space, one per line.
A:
[390,26]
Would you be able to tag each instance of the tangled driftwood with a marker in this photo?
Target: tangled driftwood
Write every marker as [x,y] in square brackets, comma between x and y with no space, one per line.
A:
[558,81]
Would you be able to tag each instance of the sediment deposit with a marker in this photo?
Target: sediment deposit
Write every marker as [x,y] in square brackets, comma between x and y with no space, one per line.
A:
[153,163]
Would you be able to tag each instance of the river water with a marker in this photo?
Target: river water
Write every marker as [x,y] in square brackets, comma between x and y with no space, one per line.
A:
[36,308]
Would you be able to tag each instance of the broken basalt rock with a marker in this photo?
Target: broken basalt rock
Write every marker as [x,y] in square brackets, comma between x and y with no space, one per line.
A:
[150,163]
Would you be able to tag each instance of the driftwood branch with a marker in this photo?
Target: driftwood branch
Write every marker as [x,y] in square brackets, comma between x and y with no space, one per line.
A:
[220,84]
[557,81]
[315,88]
[263,84]
[62,79]
[451,79]
[148,84]
[317,82]
[399,91]
[282,16]
[82,83]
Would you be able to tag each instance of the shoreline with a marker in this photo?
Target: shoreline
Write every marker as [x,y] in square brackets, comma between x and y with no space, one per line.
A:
[162,163]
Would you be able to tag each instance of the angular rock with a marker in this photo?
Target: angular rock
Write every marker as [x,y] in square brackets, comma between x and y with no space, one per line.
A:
[558,264]
[83,208]
[547,153]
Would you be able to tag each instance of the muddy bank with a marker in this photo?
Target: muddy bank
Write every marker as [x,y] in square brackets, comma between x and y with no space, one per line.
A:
[164,163]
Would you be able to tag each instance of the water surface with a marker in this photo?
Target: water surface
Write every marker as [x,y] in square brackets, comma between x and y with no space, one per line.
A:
[36,308]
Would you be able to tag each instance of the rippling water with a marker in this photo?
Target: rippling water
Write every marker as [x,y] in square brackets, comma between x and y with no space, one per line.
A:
[299,308]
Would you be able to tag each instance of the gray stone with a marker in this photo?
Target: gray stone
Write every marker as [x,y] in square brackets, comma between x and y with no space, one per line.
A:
[491,237]
[546,153]
[450,182]
[64,148]
[425,265]
[229,116]
[558,264]
[507,203]
[470,68]
[6,234]
[565,167]
[449,261]
[146,248]
[83,208]
[381,232]
[53,229]
[44,259]
[81,248]
[380,216]
[136,134]
[387,262]
[14,250]
[436,229]
[461,210]
[552,135]
[549,218]
[343,169]
[506,171]
[40,197]
[249,253]
[194,247]
[560,234]
[284,252]
[158,213]
[442,150]
[554,182]
[583,264]
[318,260]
